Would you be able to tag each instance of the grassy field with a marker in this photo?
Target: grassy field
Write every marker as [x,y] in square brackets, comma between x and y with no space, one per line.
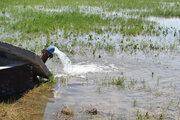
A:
[31,19]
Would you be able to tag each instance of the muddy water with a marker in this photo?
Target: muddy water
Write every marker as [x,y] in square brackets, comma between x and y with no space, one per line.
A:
[156,87]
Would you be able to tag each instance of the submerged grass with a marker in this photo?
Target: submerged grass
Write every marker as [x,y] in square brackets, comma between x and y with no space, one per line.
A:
[32,22]
[118,81]
[147,116]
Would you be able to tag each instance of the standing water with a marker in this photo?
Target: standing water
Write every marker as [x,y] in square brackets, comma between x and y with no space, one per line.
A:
[151,85]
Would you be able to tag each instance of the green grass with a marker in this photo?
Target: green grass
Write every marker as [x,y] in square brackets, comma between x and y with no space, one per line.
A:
[34,23]
[52,79]
[31,21]
[138,4]
[118,81]
[146,116]
[134,103]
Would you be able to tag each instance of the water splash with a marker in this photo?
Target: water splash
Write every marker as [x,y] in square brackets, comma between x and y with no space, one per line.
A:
[81,68]
[65,60]
[77,70]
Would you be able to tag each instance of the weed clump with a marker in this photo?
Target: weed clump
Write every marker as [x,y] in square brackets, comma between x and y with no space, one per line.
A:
[119,81]
[92,111]
[52,78]
[66,113]
[147,116]
[134,103]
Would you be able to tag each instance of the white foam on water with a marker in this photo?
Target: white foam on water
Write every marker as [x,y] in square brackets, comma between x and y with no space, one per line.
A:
[80,68]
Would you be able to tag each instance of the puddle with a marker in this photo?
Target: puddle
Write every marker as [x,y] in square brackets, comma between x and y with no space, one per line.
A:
[167,22]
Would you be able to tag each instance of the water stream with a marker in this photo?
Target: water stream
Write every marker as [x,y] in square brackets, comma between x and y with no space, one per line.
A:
[65,60]
[82,67]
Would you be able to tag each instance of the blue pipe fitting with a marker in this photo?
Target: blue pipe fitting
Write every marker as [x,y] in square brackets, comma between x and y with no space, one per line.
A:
[50,49]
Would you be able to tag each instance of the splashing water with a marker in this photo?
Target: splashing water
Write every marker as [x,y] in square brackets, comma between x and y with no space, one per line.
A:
[64,59]
[80,68]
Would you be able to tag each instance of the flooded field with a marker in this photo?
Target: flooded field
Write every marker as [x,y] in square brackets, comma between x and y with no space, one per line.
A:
[151,84]
[121,58]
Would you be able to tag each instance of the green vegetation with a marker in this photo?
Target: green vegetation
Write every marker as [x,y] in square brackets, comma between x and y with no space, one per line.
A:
[32,20]
[135,103]
[155,5]
[119,81]
[110,82]
[99,89]
[146,116]
[36,21]
[52,79]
